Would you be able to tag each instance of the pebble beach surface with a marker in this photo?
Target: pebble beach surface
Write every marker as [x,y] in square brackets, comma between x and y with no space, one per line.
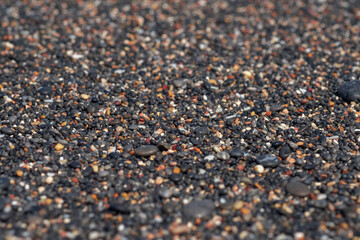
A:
[180,119]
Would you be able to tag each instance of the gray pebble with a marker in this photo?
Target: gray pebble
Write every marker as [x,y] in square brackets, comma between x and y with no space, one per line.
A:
[297,188]
[146,150]
[180,83]
[223,155]
[7,130]
[268,160]
[198,208]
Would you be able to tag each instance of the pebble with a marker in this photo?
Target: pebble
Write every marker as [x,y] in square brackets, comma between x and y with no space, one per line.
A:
[350,91]
[46,90]
[201,131]
[85,96]
[180,83]
[198,209]
[285,151]
[268,161]
[75,164]
[59,147]
[119,208]
[2,203]
[7,130]
[223,155]
[259,168]
[4,183]
[209,158]
[114,155]
[297,188]
[146,150]
[237,153]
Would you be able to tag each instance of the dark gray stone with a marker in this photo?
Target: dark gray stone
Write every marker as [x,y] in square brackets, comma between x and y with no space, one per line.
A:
[350,91]
[297,188]
[7,130]
[223,155]
[198,208]
[146,150]
[268,160]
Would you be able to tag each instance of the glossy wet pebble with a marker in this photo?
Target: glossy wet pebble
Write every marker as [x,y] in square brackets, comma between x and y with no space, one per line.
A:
[268,160]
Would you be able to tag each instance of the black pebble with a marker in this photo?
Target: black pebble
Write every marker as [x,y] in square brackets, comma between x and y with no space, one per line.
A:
[350,91]
[201,131]
[87,172]
[176,177]
[119,208]
[114,155]
[75,164]
[45,90]
[268,161]
[7,130]
[236,153]
[285,151]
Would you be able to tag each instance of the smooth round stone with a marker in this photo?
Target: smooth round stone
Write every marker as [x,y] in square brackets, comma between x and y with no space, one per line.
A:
[7,130]
[75,164]
[285,151]
[223,155]
[198,208]
[350,91]
[180,83]
[91,109]
[297,188]
[236,153]
[202,130]
[114,155]
[268,160]
[146,150]
[45,90]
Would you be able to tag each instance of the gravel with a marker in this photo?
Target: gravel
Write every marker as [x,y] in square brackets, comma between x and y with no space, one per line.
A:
[179,119]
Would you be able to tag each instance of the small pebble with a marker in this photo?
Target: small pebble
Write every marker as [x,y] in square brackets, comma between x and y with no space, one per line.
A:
[46,90]
[237,153]
[180,83]
[146,150]
[7,130]
[198,208]
[268,161]
[259,168]
[59,147]
[297,188]
[209,158]
[223,155]
[19,173]
[350,91]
